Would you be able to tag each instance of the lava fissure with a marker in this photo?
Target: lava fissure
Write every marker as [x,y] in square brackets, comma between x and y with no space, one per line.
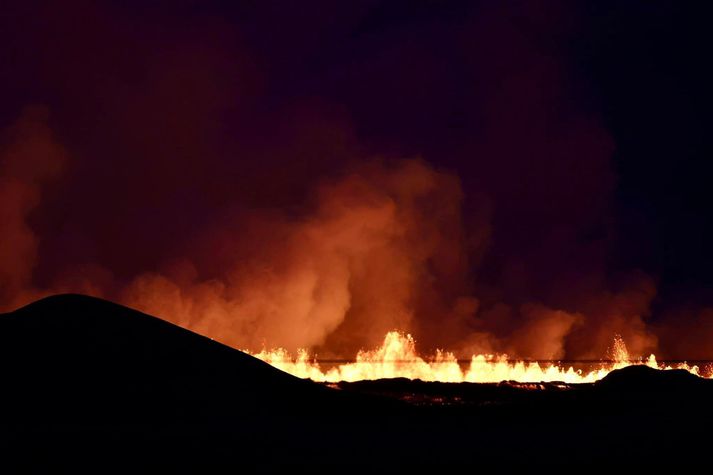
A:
[397,358]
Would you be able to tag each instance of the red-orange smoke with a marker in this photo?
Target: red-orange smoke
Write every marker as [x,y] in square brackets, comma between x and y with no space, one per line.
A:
[337,276]
[320,182]
[348,270]
[29,158]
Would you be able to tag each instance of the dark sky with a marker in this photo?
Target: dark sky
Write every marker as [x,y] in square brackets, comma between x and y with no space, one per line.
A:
[552,156]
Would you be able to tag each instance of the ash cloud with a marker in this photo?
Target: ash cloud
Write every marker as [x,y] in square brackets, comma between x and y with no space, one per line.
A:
[353,174]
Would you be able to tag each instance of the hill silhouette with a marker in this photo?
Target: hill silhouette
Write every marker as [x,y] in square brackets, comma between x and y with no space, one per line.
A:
[80,358]
[84,376]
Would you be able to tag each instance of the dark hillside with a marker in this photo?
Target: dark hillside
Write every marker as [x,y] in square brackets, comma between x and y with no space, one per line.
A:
[82,377]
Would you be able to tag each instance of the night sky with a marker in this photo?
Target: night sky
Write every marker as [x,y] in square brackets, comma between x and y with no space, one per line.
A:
[528,177]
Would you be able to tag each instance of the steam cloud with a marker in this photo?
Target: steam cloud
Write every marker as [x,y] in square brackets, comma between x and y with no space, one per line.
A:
[206,197]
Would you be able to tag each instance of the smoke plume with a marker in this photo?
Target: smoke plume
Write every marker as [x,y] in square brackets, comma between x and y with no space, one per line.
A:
[356,173]
[29,158]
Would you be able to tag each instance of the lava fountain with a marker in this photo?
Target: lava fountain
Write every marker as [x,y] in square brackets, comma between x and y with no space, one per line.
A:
[397,358]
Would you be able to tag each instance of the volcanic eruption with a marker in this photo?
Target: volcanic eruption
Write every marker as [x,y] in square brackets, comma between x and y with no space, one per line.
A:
[397,358]
[420,211]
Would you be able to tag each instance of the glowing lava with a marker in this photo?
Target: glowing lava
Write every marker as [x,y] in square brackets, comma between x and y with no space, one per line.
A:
[397,358]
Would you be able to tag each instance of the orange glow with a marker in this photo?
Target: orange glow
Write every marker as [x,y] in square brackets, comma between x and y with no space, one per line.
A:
[397,358]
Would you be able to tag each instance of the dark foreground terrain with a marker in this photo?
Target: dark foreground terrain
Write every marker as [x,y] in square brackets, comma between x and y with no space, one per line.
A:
[87,382]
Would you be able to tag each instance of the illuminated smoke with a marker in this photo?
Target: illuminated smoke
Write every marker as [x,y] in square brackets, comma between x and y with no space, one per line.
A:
[357,260]
[29,158]
[195,186]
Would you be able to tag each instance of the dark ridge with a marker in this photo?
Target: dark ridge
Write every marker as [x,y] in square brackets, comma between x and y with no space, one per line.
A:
[74,358]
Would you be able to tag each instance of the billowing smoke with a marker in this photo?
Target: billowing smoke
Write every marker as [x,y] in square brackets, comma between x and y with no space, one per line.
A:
[369,252]
[349,269]
[29,158]
[438,177]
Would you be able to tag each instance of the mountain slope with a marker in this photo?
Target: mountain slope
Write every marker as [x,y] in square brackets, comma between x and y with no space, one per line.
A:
[77,358]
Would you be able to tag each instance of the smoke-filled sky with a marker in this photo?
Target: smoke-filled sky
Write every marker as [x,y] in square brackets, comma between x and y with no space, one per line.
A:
[521,177]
